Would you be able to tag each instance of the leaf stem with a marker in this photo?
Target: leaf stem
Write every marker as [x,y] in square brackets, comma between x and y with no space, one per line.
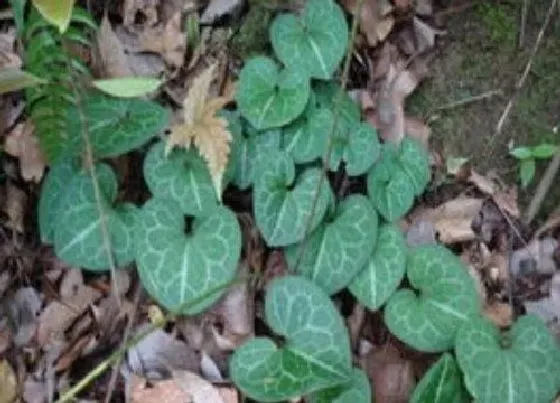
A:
[90,166]
[338,100]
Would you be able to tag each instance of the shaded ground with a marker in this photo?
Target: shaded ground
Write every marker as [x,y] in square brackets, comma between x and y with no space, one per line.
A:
[480,54]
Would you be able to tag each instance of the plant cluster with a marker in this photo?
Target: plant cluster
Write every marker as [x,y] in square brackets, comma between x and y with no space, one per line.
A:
[292,125]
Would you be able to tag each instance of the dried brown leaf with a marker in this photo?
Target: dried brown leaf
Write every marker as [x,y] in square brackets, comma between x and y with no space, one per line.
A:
[22,309]
[549,308]
[425,35]
[376,20]
[424,7]
[23,144]
[166,39]
[392,375]
[452,219]
[398,84]
[499,313]
[536,257]
[114,61]
[8,58]
[416,128]
[59,315]
[148,8]
[157,354]
[236,310]
[203,128]
[199,390]
[8,383]
[14,207]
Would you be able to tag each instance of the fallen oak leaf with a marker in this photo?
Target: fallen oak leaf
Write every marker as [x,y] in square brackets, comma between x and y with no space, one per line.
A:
[201,126]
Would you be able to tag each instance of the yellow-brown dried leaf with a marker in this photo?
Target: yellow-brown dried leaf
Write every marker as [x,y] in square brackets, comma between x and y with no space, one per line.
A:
[201,127]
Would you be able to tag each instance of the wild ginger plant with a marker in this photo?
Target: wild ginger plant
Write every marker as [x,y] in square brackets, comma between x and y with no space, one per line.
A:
[291,125]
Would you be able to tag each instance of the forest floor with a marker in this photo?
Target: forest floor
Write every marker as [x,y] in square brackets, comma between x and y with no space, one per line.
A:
[463,61]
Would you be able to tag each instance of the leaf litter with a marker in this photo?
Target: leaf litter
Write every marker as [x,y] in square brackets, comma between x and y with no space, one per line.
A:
[77,317]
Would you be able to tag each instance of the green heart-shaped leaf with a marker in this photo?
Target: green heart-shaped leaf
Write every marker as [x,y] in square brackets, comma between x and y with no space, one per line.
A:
[441,384]
[78,236]
[316,42]
[176,267]
[315,356]
[270,98]
[248,147]
[389,186]
[359,150]
[115,125]
[446,298]
[384,270]
[416,163]
[53,191]
[307,137]
[338,248]
[520,366]
[328,93]
[358,390]
[181,176]
[282,214]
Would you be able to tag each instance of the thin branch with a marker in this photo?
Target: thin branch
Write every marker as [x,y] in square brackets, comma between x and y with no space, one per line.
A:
[468,100]
[327,156]
[543,187]
[528,66]
[90,166]
[127,332]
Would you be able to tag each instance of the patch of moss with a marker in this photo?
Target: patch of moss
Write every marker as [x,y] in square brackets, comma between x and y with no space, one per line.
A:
[501,21]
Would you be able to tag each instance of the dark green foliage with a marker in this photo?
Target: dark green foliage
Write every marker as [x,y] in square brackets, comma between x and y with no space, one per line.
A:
[53,57]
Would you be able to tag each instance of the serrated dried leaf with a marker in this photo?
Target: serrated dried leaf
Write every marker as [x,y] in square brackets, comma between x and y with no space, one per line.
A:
[203,128]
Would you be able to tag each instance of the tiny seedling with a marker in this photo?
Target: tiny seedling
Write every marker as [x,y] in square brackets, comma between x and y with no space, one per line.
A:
[527,157]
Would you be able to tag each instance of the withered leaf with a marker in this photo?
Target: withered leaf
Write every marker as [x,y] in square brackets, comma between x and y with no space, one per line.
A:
[208,132]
